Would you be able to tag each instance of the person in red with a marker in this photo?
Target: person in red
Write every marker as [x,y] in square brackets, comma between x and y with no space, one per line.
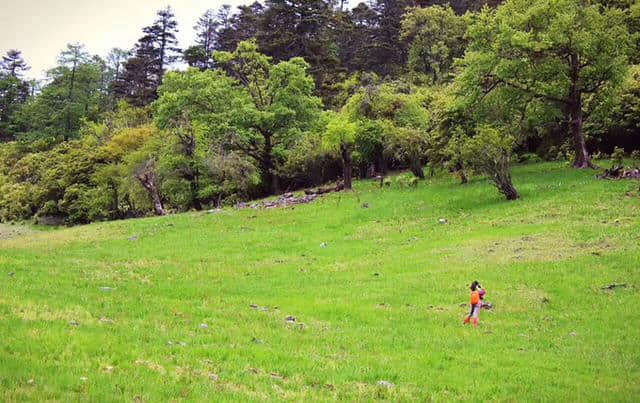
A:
[477,294]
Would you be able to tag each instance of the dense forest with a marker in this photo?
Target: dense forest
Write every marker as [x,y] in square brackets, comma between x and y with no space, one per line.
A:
[293,93]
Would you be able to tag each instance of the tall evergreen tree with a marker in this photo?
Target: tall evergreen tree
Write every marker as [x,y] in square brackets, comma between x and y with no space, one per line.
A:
[162,39]
[241,26]
[207,35]
[154,52]
[13,64]
[74,56]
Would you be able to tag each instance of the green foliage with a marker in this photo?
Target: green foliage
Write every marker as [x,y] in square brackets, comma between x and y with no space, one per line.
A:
[530,158]
[256,108]
[635,155]
[548,59]
[75,94]
[436,37]
[617,157]
[391,121]
[340,133]
[14,92]
[491,151]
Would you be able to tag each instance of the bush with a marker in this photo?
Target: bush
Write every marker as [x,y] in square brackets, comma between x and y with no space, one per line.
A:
[530,158]
[635,155]
[617,157]
[599,155]
[491,152]
[407,181]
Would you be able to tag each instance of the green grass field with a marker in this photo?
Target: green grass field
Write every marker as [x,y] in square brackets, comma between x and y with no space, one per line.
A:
[379,300]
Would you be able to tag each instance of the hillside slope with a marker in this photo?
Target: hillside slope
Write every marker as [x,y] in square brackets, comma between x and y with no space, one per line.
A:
[158,309]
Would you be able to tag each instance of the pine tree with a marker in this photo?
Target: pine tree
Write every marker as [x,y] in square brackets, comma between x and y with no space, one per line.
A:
[13,64]
[207,35]
[74,56]
[154,52]
[160,42]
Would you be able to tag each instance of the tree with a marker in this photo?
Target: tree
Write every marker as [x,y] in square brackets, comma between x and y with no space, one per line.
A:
[115,68]
[195,56]
[491,152]
[154,52]
[241,26]
[71,58]
[206,38]
[565,53]
[14,92]
[162,37]
[436,37]
[391,121]
[75,92]
[300,28]
[340,137]
[13,64]
[461,6]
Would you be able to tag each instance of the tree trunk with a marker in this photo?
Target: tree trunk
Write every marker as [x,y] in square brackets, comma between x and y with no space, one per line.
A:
[508,190]
[192,175]
[69,99]
[462,173]
[267,166]
[347,167]
[147,177]
[416,168]
[581,159]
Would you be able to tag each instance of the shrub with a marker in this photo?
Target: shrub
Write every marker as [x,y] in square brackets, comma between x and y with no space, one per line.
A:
[491,152]
[530,158]
[617,157]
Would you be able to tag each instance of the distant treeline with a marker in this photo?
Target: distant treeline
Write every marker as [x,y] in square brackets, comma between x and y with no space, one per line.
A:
[286,94]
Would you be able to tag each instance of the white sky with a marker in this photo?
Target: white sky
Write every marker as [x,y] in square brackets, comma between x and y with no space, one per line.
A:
[42,28]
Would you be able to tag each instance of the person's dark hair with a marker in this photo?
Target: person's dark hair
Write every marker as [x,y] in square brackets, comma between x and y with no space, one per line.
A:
[474,285]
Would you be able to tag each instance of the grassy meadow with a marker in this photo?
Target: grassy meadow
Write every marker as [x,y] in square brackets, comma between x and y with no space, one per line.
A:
[159,309]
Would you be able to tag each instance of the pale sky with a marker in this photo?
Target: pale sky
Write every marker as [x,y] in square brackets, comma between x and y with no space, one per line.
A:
[42,28]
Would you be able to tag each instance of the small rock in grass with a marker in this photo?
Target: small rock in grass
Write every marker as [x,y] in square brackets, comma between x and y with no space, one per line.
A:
[106,320]
[443,221]
[365,205]
[12,274]
[276,375]
[133,238]
[31,381]
[323,245]
[169,343]
[84,378]
[107,289]
[290,319]
[612,286]
[386,384]
[254,306]
[213,377]
[302,326]
[74,323]
[183,344]
[204,326]
[257,341]
[108,369]
[573,334]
